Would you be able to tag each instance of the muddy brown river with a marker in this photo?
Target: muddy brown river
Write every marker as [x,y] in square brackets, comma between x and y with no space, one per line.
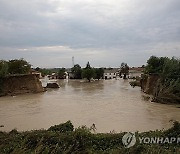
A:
[110,105]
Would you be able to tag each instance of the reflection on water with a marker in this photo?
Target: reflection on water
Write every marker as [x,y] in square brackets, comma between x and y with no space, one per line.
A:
[111,105]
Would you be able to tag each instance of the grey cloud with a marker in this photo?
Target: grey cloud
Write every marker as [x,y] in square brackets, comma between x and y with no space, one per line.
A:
[119,29]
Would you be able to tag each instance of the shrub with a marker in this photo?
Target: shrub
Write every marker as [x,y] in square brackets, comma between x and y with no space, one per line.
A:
[62,128]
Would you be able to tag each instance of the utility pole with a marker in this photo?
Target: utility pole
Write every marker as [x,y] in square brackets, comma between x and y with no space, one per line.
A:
[73,61]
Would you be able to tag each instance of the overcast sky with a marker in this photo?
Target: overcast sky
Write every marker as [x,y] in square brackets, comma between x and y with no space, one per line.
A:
[47,33]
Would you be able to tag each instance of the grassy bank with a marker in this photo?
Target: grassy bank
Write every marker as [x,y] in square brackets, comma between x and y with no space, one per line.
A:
[64,138]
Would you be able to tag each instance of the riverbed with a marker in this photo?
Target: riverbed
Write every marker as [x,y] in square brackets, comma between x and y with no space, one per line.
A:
[112,105]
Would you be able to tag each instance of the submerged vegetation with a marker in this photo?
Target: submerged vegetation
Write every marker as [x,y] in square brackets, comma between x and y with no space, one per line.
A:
[88,72]
[76,72]
[124,70]
[64,138]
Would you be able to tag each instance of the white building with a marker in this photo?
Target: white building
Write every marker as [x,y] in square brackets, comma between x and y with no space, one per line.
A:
[110,73]
[37,73]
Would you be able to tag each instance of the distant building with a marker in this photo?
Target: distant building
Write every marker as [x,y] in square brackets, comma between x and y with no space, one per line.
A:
[69,73]
[53,76]
[38,74]
[111,73]
[66,75]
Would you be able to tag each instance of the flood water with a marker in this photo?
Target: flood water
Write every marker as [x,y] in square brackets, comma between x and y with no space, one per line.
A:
[110,105]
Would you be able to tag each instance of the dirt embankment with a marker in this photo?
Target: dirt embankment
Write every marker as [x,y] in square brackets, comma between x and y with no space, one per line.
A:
[149,83]
[20,84]
[161,93]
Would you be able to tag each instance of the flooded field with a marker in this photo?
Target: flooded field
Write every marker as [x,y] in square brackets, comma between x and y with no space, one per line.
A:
[110,105]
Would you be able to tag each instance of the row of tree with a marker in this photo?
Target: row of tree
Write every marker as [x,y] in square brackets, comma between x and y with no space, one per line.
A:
[16,66]
[124,70]
[88,72]
[165,67]
[97,73]
[21,66]
[77,72]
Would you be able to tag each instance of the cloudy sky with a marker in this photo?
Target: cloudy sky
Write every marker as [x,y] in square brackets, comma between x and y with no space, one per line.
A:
[48,33]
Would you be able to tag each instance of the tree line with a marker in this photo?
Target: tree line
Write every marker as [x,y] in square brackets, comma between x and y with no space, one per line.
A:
[88,72]
[16,66]
[167,68]
[77,72]
[21,66]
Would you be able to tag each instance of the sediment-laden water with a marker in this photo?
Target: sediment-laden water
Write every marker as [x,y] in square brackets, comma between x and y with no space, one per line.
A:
[110,105]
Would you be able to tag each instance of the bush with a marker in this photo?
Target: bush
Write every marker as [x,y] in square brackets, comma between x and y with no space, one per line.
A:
[3,68]
[19,66]
[62,128]
[64,139]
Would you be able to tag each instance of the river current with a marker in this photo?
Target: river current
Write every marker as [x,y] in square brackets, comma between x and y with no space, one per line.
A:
[112,105]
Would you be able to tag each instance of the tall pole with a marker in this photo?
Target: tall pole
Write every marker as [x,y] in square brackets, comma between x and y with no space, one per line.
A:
[73,61]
